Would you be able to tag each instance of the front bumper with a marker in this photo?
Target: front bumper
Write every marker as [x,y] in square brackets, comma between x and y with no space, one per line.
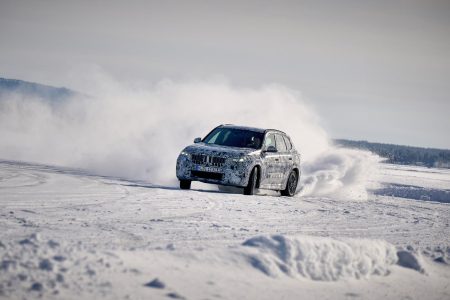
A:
[230,173]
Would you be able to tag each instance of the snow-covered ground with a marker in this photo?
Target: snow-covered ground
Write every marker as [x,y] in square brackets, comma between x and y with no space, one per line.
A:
[67,234]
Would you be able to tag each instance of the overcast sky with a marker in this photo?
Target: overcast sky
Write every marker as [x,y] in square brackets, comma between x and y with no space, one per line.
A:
[376,70]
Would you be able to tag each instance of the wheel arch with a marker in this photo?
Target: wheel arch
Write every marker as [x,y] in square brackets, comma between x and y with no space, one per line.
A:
[297,172]
[258,180]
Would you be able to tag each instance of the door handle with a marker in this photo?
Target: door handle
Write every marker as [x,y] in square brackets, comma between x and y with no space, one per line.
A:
[276,159]
[290,158]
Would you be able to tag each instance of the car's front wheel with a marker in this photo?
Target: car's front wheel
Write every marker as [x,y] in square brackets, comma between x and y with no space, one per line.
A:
[185,184]
[291,185]
[250,189]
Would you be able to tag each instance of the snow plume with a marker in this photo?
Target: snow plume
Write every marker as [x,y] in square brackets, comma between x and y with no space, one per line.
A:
[137,131]
[345,173]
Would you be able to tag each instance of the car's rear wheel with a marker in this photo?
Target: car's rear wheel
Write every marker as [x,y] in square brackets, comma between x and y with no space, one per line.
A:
[185,184]
[250,189]
[291,185]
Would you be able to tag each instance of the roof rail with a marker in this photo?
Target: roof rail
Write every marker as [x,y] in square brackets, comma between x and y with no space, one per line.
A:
[271,129]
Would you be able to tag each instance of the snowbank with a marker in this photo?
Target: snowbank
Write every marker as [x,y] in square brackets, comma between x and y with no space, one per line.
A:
[318,258]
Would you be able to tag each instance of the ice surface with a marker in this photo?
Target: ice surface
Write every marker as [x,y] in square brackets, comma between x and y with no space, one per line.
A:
[70,234]
[413,182]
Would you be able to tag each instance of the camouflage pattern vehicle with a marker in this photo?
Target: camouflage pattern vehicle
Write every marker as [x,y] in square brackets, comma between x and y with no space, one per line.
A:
[240,156]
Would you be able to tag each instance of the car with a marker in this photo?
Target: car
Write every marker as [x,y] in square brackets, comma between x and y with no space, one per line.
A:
[240,156]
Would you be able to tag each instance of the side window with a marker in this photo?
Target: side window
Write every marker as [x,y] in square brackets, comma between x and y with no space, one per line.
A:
[281,146]
[288,143]
[269,141]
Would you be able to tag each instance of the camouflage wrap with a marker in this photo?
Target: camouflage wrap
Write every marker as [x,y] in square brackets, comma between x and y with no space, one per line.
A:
[235,164]
[232,166]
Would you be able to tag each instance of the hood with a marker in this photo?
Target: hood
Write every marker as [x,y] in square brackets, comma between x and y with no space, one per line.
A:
[218,150]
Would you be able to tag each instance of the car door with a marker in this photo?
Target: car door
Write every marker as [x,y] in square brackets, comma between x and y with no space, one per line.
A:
[290,152]
[271,164]
[284,162]
[290,157]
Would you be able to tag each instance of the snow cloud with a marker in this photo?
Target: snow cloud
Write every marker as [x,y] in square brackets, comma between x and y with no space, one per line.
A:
[137,131]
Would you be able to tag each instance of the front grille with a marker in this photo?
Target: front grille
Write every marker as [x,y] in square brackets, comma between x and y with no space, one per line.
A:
[207,175]
[214,161]
[198,159]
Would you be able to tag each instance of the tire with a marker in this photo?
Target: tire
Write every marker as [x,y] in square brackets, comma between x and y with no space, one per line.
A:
[185,184]
[291,185]
[250,189]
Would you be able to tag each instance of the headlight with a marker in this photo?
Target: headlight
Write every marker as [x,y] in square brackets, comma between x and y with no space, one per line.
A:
[239,160]
[185,154]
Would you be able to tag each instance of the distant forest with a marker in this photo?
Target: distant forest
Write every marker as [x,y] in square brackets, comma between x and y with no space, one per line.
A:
[403,155]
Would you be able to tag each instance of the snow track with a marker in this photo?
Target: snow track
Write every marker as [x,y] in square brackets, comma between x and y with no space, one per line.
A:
[116,235]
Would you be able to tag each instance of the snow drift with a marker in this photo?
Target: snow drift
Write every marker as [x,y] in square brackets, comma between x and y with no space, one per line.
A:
[319,258]
[136,132]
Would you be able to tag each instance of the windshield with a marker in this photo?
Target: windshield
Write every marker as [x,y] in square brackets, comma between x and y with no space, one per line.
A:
[233,137]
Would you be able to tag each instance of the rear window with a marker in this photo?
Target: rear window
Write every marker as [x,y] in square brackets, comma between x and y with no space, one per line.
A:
[288,143]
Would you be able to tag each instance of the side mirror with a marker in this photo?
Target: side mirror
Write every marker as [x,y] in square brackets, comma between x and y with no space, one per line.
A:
[271,149]
[197,140]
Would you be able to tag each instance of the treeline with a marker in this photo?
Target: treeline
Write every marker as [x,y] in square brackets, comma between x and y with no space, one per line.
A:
[404,155]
